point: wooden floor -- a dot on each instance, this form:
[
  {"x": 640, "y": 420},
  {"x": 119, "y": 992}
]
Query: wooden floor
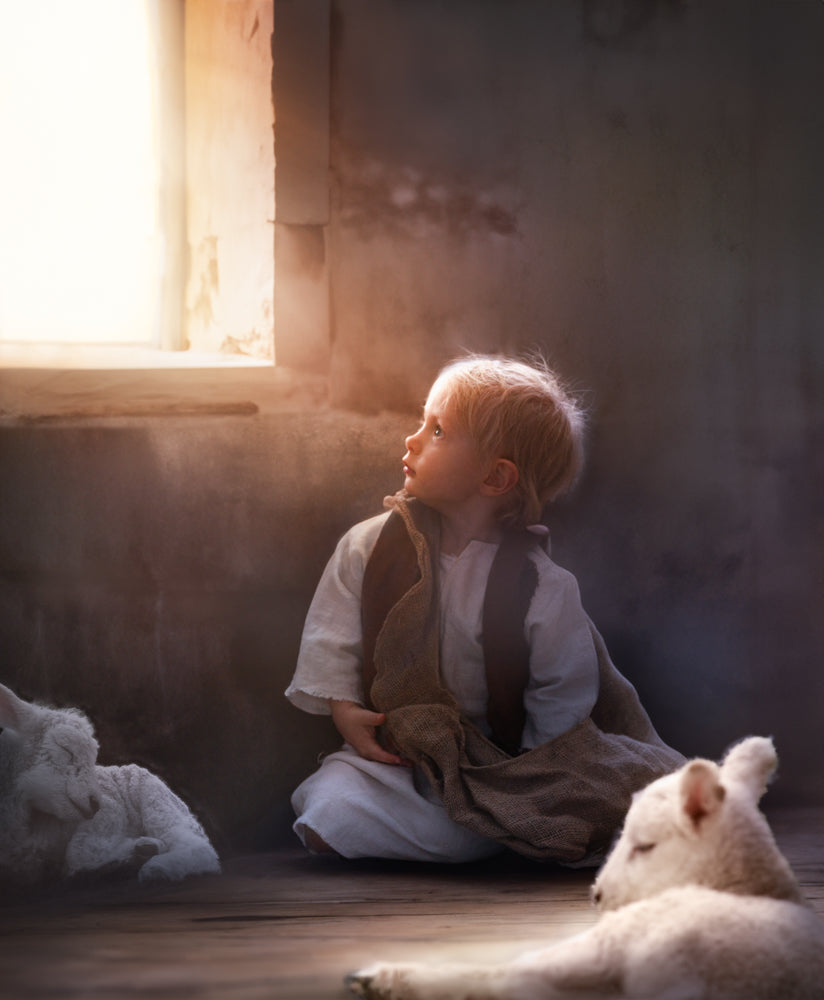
[{"x": 290, "y": 926}]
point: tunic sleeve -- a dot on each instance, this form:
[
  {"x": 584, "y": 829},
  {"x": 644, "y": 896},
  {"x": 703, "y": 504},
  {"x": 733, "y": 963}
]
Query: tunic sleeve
[
  {"x": 331, "y": 648},
  {"x": 563, "y": 684}
]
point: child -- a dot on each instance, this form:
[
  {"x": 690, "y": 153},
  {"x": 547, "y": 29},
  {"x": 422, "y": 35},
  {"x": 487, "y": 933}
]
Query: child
[{"x": 477, "y": 703}]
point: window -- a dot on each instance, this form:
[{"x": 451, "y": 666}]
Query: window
[{"x": 137, "y": 181}]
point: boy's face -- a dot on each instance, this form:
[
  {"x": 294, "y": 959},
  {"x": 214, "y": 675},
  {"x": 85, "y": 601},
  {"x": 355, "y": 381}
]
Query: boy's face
[{"x": 442, "y": 466}]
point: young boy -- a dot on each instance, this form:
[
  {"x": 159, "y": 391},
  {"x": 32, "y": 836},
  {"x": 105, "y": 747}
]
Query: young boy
[{"x": 477, "y": 703}]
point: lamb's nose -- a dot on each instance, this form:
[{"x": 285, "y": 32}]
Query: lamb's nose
[{"x": 596, "y": 895}]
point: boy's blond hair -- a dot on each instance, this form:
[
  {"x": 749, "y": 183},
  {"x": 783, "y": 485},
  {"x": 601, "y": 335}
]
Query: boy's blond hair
[{"x": 519, "y": 411}]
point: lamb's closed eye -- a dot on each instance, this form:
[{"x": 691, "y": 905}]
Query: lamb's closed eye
[{"x": 641, "y": 849}]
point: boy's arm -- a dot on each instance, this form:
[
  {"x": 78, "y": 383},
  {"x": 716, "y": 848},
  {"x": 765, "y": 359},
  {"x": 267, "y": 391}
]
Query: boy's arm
[
  {"x": 563, "y": 667},
  {"x": 330, "y": 659}
]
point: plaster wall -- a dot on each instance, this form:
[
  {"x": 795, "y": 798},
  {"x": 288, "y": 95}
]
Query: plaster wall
[
  {"x": 156, "y": 573},
  {"x": 632, "y": 188}
]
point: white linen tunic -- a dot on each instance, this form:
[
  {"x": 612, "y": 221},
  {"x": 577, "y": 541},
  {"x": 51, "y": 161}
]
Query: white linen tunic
[{"x": 364, "y": 808}]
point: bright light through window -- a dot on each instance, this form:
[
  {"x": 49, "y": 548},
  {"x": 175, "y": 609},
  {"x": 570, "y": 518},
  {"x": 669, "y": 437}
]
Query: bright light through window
[{"x": 81, "y": 250}]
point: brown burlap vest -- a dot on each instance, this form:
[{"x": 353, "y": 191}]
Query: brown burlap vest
[
  {"x": 392, "y": 570},
  {"x": 560, "y": 801}
]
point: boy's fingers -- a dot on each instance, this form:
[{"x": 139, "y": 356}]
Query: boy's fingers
[
  {"x": 373, "y": 718},
  {"x": 372, "y": 750}
]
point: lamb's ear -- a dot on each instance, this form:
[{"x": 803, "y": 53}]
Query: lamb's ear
[
  {"x": 750, "y": 763},
  {"x": 13, "y": 710},
  {"x": 701, "y": 791}
]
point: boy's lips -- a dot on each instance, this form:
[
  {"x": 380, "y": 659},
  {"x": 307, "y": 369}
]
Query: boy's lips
[{"x": 408, "y": 470}]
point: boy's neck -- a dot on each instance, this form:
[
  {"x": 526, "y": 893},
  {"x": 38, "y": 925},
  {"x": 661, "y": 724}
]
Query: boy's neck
[{"x": 458, "y": 532}]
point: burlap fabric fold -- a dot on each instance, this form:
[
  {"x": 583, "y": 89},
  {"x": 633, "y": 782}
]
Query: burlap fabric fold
[{"x": 561, "y": 801}]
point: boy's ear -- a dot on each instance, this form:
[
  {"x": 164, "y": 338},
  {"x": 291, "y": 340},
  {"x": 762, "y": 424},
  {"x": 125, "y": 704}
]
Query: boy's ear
[{"x": 501, "y": 479}]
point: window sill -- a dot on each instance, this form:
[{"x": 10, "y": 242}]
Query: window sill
[
  {"x": 124, "y": 382},
  {"x": 92, "y": 357}
]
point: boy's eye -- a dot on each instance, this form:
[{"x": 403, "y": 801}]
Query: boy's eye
[{"x": 438, "y": 431}]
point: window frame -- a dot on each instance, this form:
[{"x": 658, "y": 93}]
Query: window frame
[{"x": 174, "y": 382}]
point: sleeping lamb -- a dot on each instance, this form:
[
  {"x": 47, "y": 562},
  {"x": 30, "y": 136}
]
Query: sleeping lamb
[
  {"x": 61, "y": 814},
  {"x": 698, "y": 903}
]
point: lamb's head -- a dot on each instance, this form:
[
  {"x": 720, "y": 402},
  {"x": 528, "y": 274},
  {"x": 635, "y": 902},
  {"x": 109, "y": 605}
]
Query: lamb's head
[
  {"x": 52, "y": 755},
  {"x": 700, "y": 825}
]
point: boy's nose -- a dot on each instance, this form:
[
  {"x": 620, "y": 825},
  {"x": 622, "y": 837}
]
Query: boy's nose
[{"x": 411, "y": 442}]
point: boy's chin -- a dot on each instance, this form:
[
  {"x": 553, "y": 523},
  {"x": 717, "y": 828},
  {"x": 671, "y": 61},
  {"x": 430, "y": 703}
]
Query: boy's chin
[{"x": 410, "y": 492}]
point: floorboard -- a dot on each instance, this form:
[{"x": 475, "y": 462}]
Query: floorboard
[{"x": 287, "y": 926}]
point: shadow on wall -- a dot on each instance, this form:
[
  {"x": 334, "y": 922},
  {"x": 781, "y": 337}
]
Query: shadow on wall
[{"x": 157, "y": 574}]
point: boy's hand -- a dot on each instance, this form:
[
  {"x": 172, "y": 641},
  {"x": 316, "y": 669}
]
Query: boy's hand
[{"x": 357, "y": 726}]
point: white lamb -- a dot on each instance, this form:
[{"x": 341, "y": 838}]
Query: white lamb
[
  {"x": 61, "y": 814},
  {"x": 698, "y": 900}
]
